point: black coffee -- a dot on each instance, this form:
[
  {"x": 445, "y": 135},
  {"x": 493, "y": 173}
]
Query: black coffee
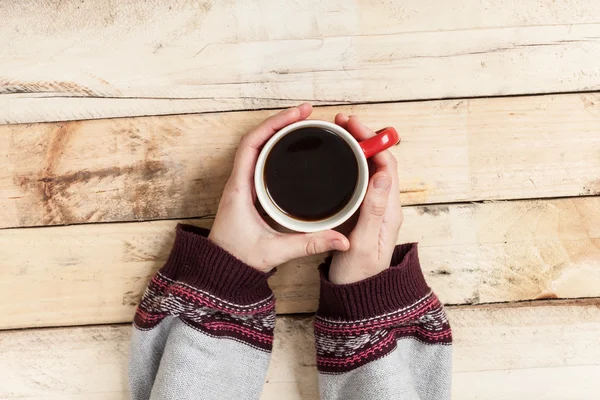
[{"x": 311, "y": 174}]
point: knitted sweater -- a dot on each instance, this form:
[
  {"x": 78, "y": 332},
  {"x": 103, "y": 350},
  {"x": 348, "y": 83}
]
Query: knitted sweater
[{"x": 204, "y": 330}]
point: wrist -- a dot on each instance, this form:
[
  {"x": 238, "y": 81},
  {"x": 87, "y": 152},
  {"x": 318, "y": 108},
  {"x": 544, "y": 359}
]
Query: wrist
[
  {"x": 346, "y": 269},
  {"x": 240, "y": 250},
  {"x": 203, "y": 265}
]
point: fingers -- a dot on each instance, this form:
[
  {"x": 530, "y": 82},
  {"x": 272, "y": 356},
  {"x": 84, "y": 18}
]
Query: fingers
[
  {"x": 341, "y": 120},
  {"x": 373, "y": 209},
  {"x": 358, "y": 130},
  {"x": 271, "y": 125},
  {"x": 247, "y": 154},
  {"x": 360, "y": 133},
  {"x": 384, "y": 160},
  {"x": 307, "y": 244}
]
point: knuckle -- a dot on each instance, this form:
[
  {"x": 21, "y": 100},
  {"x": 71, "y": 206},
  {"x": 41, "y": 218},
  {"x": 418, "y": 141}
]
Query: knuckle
[
  {"x": 231, "y": 193},
  {"x": 235, "y": 190},
  {"x": 377, "y": 207},
  {"x": 393, "y": 162},
  {"x": 232, "y": 189},
  {"x": 391, "y": 157},
  {"x": 245, "y": 140},
  {"x": 398, "y": 221},
  {"x": 400, "y": 217},
  {"x": 312, "y": 247}
]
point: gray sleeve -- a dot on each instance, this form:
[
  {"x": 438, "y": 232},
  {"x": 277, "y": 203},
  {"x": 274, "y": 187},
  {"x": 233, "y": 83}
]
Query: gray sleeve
[
  {"x": 204, "y": 328},
  {"x": 413, "y": 370},
  {"x": 386, "y": 337},
  {"x": 193, "y": 365}
]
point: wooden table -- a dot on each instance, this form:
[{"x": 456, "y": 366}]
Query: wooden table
[{"x": 118, "y": 119}]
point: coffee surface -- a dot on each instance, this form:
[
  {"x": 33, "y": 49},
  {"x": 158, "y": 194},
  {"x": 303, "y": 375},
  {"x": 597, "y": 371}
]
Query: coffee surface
[{"x": 311, "y": 174}]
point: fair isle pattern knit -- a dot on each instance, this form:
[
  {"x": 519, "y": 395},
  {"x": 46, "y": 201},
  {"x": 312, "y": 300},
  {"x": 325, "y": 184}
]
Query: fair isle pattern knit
[
  {"x": 252, "y": 324},
  {"x": 204, "y": 329},
  {"x": 361, "y": 322},
  {"x": 211, "y": 291},
  {"x": 345, "y": 345}
]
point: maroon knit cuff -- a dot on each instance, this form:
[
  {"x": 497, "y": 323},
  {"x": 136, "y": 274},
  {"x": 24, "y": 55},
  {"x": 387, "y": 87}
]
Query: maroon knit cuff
[
  {"x": 196, "y": 261},
  {"x": 397, "y": 287}
]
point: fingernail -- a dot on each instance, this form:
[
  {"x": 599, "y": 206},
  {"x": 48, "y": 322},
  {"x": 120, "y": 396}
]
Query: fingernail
[
  {"x": 338, "y": 245},
  {"x": 382, "y": 183}
]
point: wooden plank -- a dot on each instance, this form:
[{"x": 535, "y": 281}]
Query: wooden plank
[
  {"x": 176, "y": 166},
  {"x": 73, "y": 364},
  {"x": 30, "y": 29},
  {"x": 470, "y": 253},
  {"x": 573, "y": 383},
  {"x": 70, "y": 60},
  {"x": 504, "y": 351}
]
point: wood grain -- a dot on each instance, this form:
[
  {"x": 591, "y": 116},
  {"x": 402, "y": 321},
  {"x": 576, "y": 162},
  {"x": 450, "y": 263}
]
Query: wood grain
[
  {"x": 470, "y": 253},
  {"x": 577, "y": 383},
  {"x": 543, "y": 350},
  {"x": 70, "y": 60},
  {"x": 176, "y": 166}
]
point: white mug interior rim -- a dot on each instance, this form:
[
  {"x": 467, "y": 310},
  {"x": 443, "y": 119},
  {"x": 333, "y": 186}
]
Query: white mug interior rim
[{"x": 312, "y": 226}]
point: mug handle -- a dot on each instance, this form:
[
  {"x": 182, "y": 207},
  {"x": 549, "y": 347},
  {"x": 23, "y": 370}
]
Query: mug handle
[{"x": 384, "y": 139}]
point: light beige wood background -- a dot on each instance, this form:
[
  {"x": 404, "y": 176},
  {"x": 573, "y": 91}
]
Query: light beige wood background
[
  {"x": 501, "y": 193},
  {"x": 176, "y": 166},
  {"x": 64, "y": 60},
  {"x": 500, "y": 352},
  {"x": 471, "y": 253}
]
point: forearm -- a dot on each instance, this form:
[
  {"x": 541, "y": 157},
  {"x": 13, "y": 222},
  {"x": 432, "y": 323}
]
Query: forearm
[
  {"x": 383, "y": 337},
  {"x": 204, "y": 328}
]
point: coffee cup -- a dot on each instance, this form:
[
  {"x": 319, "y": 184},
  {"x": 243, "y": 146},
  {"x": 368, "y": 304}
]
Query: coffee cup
[{"x": 313, "y": 175}]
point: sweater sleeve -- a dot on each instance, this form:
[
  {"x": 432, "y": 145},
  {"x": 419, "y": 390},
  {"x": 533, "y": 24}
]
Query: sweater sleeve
[
  {"x": 204, "y": 327},
  {"x": 386, "y": 337}
]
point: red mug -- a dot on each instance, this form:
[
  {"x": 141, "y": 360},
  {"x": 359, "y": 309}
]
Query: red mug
[{"x": 384, "y": 139}]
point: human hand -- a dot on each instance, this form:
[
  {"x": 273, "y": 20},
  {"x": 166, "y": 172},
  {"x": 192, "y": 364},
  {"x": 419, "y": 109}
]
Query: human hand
[
  {"x": 239, "y": 229},
  {"x": 373, "y": 239}
]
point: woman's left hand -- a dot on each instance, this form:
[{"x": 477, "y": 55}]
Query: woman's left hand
[
  {"x": 238, "y": 227},
  {"x": 374, "y": 237}
]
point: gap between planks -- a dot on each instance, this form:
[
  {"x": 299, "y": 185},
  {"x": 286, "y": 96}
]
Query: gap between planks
[
  {"x": 175, "y": 167},
  {"x": 328, "y": 52},
  {"x": 470, "y": 253},
  {"x": 209, "y": 217},
  {"x": 315, "y": 104}
]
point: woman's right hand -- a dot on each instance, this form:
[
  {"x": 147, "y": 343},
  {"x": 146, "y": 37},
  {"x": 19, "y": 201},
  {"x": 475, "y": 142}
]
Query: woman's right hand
[
  {"x": 238, "y": 227},
  {"x": 373, "y": 239}
]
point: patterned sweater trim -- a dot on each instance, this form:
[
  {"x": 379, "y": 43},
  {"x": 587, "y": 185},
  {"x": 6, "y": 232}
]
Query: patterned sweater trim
[
  {"x": 211, "y": 291},
  {"x": 361, "y": 322}
]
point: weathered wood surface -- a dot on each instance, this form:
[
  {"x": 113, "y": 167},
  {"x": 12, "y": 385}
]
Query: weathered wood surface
[
  {"x": 545, "y": 350},
  {"x": 176, "y": 166},
  {"x": 64, "y": 60},
  {"x": 470, "y": 253}
]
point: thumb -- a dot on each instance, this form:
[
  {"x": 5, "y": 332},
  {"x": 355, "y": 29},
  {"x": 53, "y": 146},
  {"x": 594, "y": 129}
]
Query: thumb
[
  {"x": 374, "y": 206},
  {"x": 298, "y": 245}
]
